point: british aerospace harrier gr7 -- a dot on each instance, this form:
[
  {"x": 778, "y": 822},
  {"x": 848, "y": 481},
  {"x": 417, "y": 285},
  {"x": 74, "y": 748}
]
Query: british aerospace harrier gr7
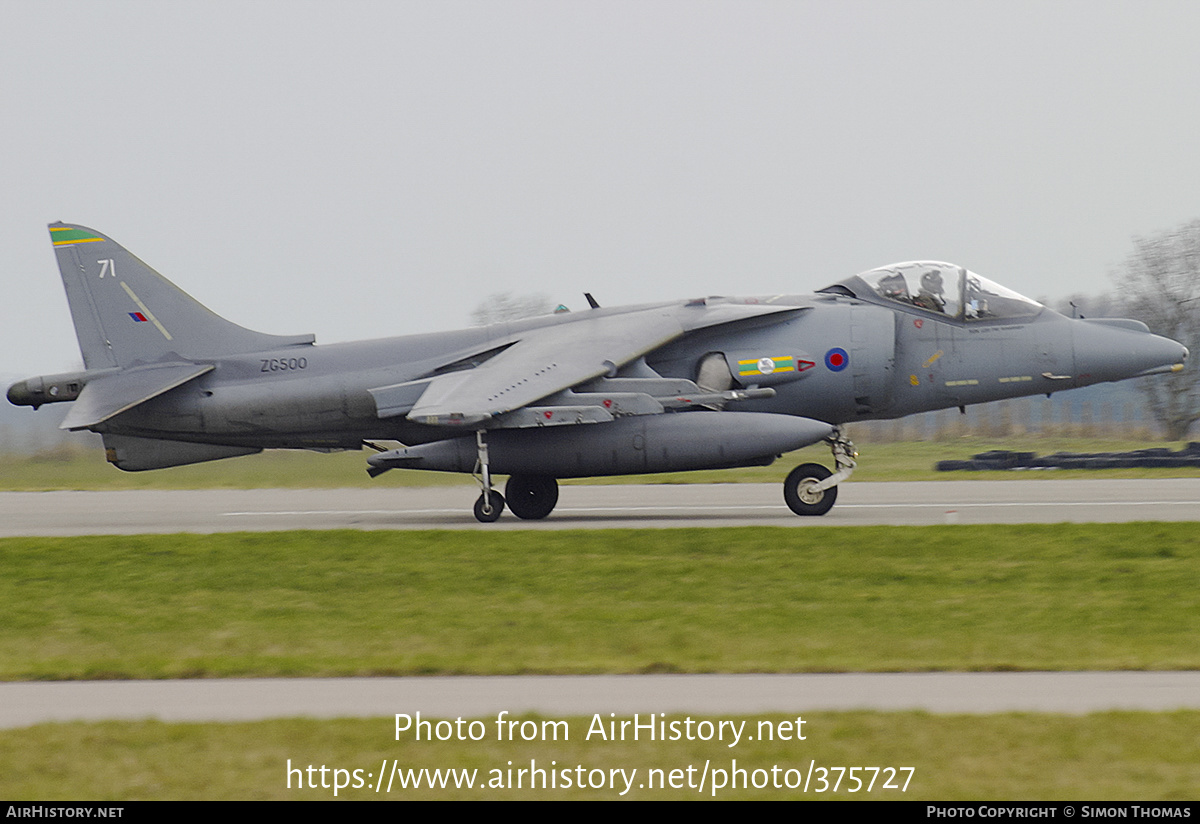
[{"x": 693, "y": 384}]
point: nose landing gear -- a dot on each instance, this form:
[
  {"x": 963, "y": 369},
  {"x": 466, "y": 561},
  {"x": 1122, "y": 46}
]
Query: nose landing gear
[{"x": 811, "y": 489}]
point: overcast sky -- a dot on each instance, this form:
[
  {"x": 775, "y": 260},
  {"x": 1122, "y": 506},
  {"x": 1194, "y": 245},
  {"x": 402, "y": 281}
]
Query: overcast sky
[{"x": 362, "y": 169}]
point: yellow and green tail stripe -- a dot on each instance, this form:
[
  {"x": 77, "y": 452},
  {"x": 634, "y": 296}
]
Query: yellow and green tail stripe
[{"x": 68, "y": 235}]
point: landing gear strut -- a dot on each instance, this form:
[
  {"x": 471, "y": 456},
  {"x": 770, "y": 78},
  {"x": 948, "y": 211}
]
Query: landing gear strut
[
  {"x": 490, "y": 503},
  {"x": 811, "y": 489}
]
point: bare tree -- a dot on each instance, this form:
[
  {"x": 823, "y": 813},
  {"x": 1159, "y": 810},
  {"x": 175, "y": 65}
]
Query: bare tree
[
  {"x": 502, "y": 306},
  {"x": 1161, "y": 285}
]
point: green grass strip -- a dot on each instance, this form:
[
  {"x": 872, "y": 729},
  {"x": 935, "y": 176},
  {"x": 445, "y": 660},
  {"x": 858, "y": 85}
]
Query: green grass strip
[
  {"x": 1120, "y": 756},
  {"x": 1034, "y": 597}
]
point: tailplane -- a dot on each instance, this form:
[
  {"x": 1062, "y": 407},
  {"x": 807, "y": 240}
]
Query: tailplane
[{"x": 126, "y": 313}]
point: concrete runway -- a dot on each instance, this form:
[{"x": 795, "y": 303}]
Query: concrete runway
[
  {"x": 591, "y": 507},
  {"x": 595, "y": 507}
]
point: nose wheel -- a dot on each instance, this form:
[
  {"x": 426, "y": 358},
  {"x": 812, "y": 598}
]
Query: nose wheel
[
  {"x": 801, "y": 494},
  {"x": 811, "y": 489}
]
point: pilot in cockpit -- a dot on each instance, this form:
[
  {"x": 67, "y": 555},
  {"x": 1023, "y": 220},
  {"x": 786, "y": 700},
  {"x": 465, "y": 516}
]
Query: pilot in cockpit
[{"x": 932, "y": 293}]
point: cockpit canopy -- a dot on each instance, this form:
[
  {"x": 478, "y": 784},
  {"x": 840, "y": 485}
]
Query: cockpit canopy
[{"x": 941, "y": 289}]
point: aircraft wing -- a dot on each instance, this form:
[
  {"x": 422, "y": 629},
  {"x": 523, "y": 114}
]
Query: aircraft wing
[
  {"x": 110, "y": 395},
  {"x": 550, "y": 359}
]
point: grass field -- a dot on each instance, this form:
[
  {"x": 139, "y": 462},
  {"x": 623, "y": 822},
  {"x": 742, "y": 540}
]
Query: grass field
[
  {"x": 1108, "y": 756},
  {"x": 80, "y": 468},
  {"x": 1036, "y": 597}
]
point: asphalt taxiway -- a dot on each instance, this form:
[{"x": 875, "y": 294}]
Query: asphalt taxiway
[{"x": 252, "y": 699}]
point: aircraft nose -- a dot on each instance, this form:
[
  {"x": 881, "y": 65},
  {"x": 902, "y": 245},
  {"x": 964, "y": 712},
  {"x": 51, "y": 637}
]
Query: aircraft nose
[
  {"x": 1113, "y": 350},
  {"x": 1173, "y": 354}
]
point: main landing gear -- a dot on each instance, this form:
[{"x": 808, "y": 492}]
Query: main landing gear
[
  {"x": 811, "y": 489},
  {"x": 530, "y": 497}
]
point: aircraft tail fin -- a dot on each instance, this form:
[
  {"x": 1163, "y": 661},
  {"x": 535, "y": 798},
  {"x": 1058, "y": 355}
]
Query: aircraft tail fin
[{"x": 126, "y": 313}]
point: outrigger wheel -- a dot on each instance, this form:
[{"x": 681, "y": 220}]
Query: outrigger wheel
[
  {"x": 811, "y": 489},
  {"x": 489, "y": 506},
  {"x": 490, "y": 503}
]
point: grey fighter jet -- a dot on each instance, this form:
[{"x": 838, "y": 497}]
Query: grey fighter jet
[{"x": 695, "y": 384}]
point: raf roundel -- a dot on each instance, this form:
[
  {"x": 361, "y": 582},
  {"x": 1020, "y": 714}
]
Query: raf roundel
[{"x": 836, "y": 359}]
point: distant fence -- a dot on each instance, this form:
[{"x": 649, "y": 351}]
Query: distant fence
[{"x": 1058, "y": 415}]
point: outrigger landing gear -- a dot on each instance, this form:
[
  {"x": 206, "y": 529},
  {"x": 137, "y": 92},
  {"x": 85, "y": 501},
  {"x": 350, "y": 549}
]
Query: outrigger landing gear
[
  {"x": 811, "y": 489},
  {"x": 490, "y": 503}
]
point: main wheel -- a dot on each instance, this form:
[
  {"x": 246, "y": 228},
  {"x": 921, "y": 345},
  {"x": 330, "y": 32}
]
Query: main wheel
[
  {"x": 531, "y": 496},
  {"x": 489, "y": 514},
  {"x": 796, "y": 490}
]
